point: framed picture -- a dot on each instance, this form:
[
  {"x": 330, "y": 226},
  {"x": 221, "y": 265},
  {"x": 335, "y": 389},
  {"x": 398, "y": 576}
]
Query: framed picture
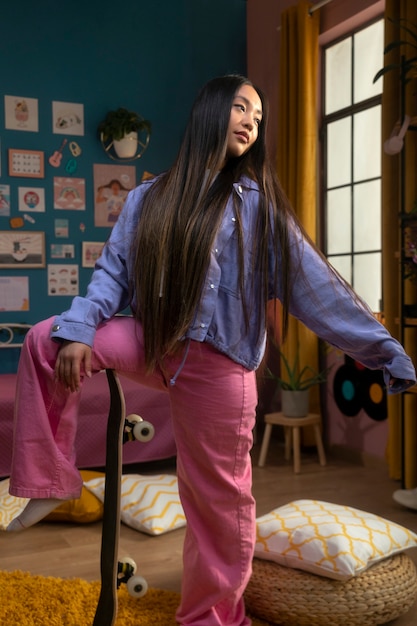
[
  {"x": 26, "y": 163},
  {"x": 90, "y": 252},
  {"x": 22, "y": 249}
]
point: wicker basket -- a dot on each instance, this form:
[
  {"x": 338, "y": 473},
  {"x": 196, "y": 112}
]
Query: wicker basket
[{"x": 290, "y": 597}]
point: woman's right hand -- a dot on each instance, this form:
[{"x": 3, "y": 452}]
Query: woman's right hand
[{"x": 73, "y": 361}]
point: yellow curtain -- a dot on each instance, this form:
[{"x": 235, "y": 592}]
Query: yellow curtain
[
  {"x": 391, "y": 115},
  {"x": 297, "y": 146}
]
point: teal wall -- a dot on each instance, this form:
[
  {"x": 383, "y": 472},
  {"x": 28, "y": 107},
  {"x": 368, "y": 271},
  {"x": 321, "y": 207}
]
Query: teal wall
[{"x": 150, "y": 57}]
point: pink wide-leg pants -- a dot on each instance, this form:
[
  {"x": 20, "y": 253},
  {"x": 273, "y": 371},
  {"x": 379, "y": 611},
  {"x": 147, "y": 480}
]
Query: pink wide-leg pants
[{"x": 213, "y": 406}]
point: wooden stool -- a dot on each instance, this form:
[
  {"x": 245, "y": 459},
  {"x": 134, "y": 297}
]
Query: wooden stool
[{"x": 292, "y": 427}]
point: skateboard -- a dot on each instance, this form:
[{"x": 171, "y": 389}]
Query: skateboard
[{"x": 113, "y": 572}]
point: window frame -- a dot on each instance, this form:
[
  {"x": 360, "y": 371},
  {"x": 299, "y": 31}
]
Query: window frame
[{"x": 326, "y": 119}]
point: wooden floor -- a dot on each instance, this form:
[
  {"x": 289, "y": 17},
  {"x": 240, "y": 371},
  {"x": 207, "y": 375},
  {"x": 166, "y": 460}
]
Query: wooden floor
[{"x": 68, "y": 550}]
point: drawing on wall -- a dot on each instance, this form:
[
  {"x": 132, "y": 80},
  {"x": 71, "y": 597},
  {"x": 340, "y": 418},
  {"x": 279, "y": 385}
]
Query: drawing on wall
[
  {"x": 22, "y": 249},
  {"x": 67, "y": 118},
  {"x": 90, "y": 252},
  {"x": 14, "y": 293},
  {"x": 4, "y": 200},
  {"x": 31, "y": 199},
  {"x": 62, "y": 251},
  {"x": 62, "y": 280},
  {"x": 61, "y": 228},
  {"x": 112, "y": 183},
  {"x": 69, "y": 193},
  {"x": 21, "y": 113}
]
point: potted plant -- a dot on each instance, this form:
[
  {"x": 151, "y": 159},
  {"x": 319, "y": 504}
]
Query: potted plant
[
  {"x": 122, "y": 127},
  {"x": 295, "y": 383}
]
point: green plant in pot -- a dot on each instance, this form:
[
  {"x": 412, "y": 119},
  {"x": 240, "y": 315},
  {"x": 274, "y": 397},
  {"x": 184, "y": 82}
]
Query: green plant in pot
[
  {"x": 122, "y": 128},
  {"x": 295, "y": 382}
]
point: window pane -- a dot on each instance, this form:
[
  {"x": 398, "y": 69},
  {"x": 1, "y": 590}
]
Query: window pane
[
  {"x": 339, "y": 152},
  {"x": 368, "y": 59},
  {"x": 338, "y": 76},
  {"x": 367, "y": 144},
  {"x": 367, "y": 216},
  {"x": 338, "y": 220},
  {"x": 343, "y": 264},
  {"x": 367, "y": 281}
]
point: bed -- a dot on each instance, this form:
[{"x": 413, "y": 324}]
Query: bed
[{"x": 90, "y": 444}]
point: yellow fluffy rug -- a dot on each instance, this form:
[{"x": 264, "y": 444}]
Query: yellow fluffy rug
[{"x": 27, "y": 600}]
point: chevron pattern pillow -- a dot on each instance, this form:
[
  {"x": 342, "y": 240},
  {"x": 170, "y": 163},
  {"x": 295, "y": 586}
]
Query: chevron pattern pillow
[{"x": 150, "y": 504}]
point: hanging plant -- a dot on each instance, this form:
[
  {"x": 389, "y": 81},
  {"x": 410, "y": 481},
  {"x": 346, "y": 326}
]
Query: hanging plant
[{"x": 121, "y": 122}]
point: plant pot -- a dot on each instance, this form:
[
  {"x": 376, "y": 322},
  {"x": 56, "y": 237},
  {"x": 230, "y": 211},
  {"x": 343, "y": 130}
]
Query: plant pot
[
  {"x": 295, "y": 403},
  {"x": 126, "y": 147}
]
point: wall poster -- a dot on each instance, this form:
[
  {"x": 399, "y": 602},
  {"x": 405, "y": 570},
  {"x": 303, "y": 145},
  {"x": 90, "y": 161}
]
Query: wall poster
[{"x": 22, "y": 249}]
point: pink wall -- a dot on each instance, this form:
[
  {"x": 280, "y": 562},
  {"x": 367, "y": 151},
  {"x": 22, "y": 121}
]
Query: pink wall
[{"x": 263, "y": 40}]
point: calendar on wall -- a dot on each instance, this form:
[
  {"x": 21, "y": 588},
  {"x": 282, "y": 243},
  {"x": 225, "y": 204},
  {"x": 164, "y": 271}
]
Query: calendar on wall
[{"x": 26, "y": 163}]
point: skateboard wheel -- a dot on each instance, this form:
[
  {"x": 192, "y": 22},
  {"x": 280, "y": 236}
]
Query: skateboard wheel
[
  {"x": 139, "y": 429},
  {"x": 143, "y": 431},
  {"x": 137, "y": 586}
]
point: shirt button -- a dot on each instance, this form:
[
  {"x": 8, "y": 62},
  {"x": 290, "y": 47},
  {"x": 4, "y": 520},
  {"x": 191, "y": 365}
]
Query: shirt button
[
  {"x": 233, "y": 219},
  {"x": 55, "y": 327},
  {"x": 202, "y": 325},
  {"x": 240, "y": 189},
  {"x": 211, "y": 286}
]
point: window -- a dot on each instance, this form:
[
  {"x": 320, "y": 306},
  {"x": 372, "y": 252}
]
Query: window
[{"x": 352, "y": 159}]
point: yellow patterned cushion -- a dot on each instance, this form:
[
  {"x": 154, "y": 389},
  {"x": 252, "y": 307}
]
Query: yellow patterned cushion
[
  {"x": 10, "y": 506},
  {"x": 87, "y": 508},
  {"x": 328, "y": 539},
  {"x": 150, "y": 504},
  {"x": 84, "y": 510}
]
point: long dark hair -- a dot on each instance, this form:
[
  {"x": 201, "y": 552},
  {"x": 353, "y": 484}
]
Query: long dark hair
[{"x": 181, "y": 214}]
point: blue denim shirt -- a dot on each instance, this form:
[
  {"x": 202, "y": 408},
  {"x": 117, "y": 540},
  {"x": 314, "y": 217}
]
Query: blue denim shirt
[{"x": 318, "y": 299}]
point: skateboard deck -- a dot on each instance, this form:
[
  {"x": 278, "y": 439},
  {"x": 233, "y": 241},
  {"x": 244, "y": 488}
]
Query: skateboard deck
[
  {"x": 107, "y": 604},
  {"x": 120, "y": 429}
]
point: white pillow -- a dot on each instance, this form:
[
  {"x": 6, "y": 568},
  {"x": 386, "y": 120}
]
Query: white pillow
[
  {"x": 10, "y": 506},
  {"x": 328, "y": 539},
  {"x": 150, "y": 504}
]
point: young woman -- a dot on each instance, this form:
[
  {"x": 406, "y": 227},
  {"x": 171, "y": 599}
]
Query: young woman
[{"x": 197, "y": 254}]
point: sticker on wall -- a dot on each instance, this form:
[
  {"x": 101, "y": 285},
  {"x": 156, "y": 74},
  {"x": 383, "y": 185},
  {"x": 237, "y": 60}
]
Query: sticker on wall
[
  {"x": 21, "y": 113},
  {"x": 62, "y": 251},
  {"x": 67, "y": 118},
  {"x": 4, "y": 200},
  {"x": 112, "y": 183},
  {"x": 14, "y": 293},
  {"x": 69, "y": 193},
  {"x": 56, "y": 157},
  {"x": 31, "y": 199},
  {"x": 61, "y": 228},
  {"x": 355, "y": 387},
  {"x": 63, "y": 280},
  {"x": 16, "y": 222}
]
